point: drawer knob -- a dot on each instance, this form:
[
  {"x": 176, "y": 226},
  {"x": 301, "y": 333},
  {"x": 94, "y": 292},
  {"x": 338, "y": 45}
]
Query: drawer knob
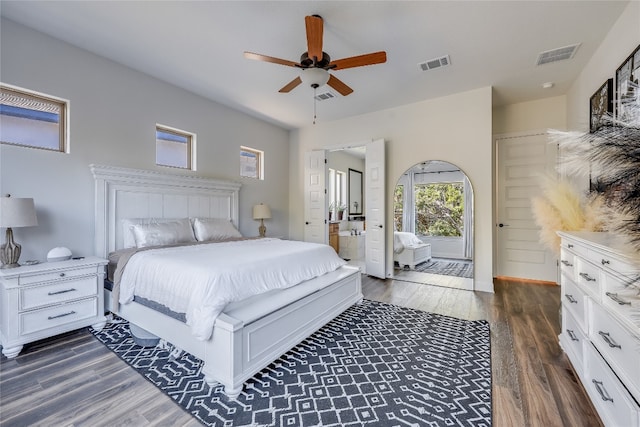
[
  {"x": 586, "y": 277},
  {"x": 571, "y": 299},
  {"x": 62, "y": 274},
  {"x": 61, "y": 292},
  {"x": 567, "y": 263},
  {"x": 617, "y": 299},
  {"x": 605, "y": 261},
  {"x": 572, "y": 335},
  {"x": 570, "y": 246},
  {"x": 607, "y": 338},
  {"x": 602, "y": 391},
  {"x": 61, "y": 315}
]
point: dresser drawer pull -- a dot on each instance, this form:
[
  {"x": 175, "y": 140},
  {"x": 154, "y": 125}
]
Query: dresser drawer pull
[
  {"x": 586, "y": 277},
  {"x": 605, "y": 261},
  {"x": 569, "y": 245},
  {"x": 61, "y": 315},
  {"x": 602, "y": 391},
  {"x": 61, "y": 292},
  {"x": 572, "y": 335},
  {"x": 571, "y": 299},
  {"x": 607, "y": 338},
  {"x": 567, "y": 263},
  {"x": 62, "y": 274},
  {"x": 617, "y": 299}
]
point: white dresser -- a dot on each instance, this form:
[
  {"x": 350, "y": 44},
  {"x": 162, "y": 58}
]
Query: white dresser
[
  {"x": 601, "y": 323},
  {"x": 42, "y": 300}
]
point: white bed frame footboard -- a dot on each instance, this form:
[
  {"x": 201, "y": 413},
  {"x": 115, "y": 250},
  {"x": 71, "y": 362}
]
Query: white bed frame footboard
[{"x": 238, "y": 348}]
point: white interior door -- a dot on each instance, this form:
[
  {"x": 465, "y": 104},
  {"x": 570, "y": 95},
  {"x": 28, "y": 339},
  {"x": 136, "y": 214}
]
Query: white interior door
[
  {"x": 375, "y": 247},
  {"x": 315, "y": 207},
  {"x": 520, "y": 161}
]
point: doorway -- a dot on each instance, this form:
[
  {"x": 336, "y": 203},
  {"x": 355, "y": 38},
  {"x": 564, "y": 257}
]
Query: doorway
[
  {"x": 363, "y": 200},
  {"x": 521, "y": 161},
  {"x": 433, "y": 226}
]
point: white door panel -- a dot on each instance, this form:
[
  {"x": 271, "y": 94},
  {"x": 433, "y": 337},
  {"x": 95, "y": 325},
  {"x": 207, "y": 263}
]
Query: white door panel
[
  {"x": 375, "y": 248},
  {"x": 520, "y": 162},
  {"x": 315, "y": 184}
]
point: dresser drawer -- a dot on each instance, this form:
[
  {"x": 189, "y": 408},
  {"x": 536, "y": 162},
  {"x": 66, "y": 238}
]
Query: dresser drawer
[
  {"x": 575, "y": 301},
  {"x": 619, "y": 347},
  {"x": 612, "y": 401},
  {"x": 46, "y": 318},
  {"x": 57, "y": 275},
  {"x": 622, "y": 299},
  {"x": 588, "y": 277},
  {"x": 573, "y": 341},
  {"x": 567, "y": 263},
  {"x": 57, "y": 292}
]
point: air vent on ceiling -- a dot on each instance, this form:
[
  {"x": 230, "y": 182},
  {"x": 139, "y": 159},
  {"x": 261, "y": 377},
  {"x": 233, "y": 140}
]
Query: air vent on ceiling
[
  {"x": 324, "y": 96},
  {"x": 432, "y": 64},
  {"x": 559, "y": 54}
]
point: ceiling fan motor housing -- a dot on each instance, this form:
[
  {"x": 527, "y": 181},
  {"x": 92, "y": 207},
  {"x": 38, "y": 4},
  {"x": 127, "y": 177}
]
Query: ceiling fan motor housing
[{"x": 307, "y": 62}]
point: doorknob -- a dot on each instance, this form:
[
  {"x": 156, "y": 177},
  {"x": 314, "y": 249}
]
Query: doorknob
[
  {"x": 380, "y": 226},
  {"x": 503, "y": 225},
  {"x": 306, "y": 223}
]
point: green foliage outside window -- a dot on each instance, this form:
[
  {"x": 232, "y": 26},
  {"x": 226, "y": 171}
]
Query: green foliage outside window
[
  {"x": 398, "y": 207},
  {"x": 439, "y": 209}
]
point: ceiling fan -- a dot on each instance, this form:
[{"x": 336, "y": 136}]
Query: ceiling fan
[{"x": 315, "y": 64}]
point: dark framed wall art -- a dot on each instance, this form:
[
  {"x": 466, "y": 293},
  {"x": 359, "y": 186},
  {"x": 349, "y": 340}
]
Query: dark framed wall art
[
  {"x": 627, "y": 81},
  {"x": 600, "y": 105}
]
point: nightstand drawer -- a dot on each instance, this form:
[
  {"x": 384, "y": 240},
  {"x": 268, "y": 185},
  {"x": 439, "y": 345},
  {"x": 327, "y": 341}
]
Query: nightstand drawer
[
  {"x": 57, "y": 275},
  {"x": 57, "y": 292},
  {"x": 46, "y": 318}
]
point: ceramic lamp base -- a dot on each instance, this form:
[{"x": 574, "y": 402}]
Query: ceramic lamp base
[{"x": 10, "y": 252}]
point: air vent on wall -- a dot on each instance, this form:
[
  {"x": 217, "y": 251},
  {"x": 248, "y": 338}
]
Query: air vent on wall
[
  {"x": 559, "y": 54},
  {"x": 324, "y": 96},
  {"x": 432, "y": 64}
]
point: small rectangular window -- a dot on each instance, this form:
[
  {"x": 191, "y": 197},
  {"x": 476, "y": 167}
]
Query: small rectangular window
[
  {"x": 251, "y": 163},
  {"x": 31, "y": 119},
  {"x": 174, "y": 147}
]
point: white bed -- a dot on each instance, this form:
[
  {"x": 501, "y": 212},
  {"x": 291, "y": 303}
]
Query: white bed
[{"x": 248, "y": 335}]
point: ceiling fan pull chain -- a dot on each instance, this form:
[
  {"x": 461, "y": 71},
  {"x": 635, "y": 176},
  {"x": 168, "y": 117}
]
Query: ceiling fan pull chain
[{"x": 314, "y": 104}]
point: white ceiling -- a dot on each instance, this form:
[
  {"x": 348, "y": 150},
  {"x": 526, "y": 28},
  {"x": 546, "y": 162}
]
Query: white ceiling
[{"x": 199, "y": 45}]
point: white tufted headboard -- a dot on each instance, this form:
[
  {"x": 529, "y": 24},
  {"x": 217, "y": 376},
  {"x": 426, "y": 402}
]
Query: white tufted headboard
[{"x": 122, "y": 193}]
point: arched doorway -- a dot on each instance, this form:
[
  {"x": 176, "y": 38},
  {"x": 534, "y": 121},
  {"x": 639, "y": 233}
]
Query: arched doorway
[{"x": 433, "y": 225}]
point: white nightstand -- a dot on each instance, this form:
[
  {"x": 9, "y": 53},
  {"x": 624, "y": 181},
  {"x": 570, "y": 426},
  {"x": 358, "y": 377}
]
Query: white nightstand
[{"x": 42, "y": 300}]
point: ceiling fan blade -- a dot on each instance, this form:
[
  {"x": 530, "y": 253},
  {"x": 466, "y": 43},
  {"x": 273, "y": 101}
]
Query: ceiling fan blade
[
  {"x": 258, "y": 57},
  {"x": 314, "y": 36},
  {"x": 339, "y": 86},
  {"x": 359, "y": 61},
  {"x": 292, "y": 84}
]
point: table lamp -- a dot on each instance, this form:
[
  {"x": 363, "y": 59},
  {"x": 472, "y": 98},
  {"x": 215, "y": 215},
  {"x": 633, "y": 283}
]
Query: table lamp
[
  {"x": 261, "y": 212},
  {"x": 14, "y": 212}
]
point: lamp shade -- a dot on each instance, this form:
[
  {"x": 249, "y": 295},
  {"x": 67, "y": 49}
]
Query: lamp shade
[
  {"x": 17, "y": 212},
  {"x": 314, "y": 77},
  {"x": 261, "y": 211}
]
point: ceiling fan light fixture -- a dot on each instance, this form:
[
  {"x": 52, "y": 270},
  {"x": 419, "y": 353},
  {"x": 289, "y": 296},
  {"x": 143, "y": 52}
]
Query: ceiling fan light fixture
[{"x": 314, "y": 77}]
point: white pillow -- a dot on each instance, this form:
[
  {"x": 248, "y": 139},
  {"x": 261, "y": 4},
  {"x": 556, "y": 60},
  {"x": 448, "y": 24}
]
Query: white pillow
[
  {"x": 214, "y": 229},
  {"x": 163, "y": 233},
  {"x": 128, "y": 239}
]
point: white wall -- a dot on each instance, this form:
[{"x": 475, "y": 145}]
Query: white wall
[
  {"x": 456, "y": 129},
  {"x": 113, "y": 113},
  {"x": 619, "y": 43}
]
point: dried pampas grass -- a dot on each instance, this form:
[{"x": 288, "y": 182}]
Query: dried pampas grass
[
  {"x": 613, "y": 151},
  {"x": 560, "y": 208}
]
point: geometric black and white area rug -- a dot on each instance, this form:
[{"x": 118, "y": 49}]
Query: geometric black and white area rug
[{"x": 375, "y": 364}]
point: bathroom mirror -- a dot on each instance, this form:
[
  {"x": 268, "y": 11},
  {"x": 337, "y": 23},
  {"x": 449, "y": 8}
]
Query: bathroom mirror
[{"x": 355, "y": 192}]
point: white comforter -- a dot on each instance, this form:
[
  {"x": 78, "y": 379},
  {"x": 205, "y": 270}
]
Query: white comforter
[{"x": 201, "y": 280}]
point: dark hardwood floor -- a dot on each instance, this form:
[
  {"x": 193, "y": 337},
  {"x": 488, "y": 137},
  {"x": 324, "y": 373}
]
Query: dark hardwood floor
[{"x": 73, "y": 380}]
